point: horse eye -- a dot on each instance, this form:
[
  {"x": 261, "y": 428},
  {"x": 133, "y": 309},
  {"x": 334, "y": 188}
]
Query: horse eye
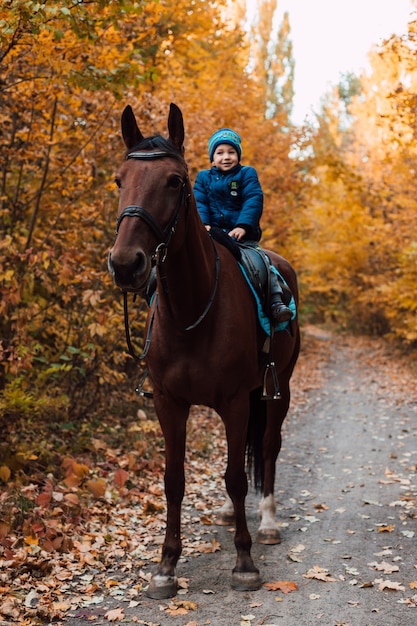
[
  {"x": 118, "y": 181},
  {"x": 174, "y": 182}
]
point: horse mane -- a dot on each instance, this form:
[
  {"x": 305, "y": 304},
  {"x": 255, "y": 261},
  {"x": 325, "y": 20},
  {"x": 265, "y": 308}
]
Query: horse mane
[{"x": 157, "y": 142}]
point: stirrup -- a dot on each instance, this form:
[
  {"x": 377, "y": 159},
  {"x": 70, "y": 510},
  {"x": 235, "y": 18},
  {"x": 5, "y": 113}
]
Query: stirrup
[{"x": 277, "y": 394}]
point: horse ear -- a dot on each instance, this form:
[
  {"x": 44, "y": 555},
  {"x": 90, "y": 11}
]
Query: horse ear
[
  {"x": 130, "y": 130},
  {"x": 176, "y": 127}
]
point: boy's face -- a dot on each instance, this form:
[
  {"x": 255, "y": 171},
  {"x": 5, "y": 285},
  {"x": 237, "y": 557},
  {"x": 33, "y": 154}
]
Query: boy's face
[{"x": 225, "y": 157}]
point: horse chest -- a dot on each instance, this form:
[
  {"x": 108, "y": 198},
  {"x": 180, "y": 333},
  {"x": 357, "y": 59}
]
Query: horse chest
[{"x": 202, "y": 373}]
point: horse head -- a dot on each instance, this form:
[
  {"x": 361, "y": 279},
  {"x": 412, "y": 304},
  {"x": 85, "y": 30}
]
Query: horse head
[{"x": 154, "y": 185}]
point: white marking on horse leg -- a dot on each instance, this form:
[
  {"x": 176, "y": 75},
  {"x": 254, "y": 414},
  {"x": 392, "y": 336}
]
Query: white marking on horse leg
[
  {"x": 268, "y": 532},
  {"x": 162, "y": 587},
  {"x": 226, "y": 514},
  {"x": 227, "y": 507},
  {"x": 267, "y": 513}
]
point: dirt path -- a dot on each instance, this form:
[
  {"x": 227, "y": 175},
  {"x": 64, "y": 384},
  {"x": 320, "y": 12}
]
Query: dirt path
[{"x": 347, "y": 503}]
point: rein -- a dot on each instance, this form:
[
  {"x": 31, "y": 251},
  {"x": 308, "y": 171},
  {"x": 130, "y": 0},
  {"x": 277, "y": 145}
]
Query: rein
[{"x": 163, "y": 236}]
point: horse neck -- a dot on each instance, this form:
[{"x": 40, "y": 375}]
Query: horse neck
[{"x": 189, "y": 271}]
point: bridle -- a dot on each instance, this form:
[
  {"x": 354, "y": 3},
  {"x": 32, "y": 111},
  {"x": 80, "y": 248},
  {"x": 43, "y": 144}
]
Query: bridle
[
  {"x": 163, "y": 238},
  {"x": 163, "y": 235}
]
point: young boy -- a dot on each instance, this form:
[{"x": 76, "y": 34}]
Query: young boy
[{"x": 229, "y": 196}]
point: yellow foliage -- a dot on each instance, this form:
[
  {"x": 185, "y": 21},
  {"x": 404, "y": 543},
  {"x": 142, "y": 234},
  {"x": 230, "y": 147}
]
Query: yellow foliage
[{"x": 357, "y": 234}]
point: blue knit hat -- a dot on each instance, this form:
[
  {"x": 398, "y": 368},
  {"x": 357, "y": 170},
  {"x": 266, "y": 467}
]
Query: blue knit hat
[{"x": 224, "y": 135}]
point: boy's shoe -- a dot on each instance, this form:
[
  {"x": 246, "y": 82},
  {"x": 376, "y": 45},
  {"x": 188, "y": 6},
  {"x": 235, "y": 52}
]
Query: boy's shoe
[{"x": 280, "y": 312}]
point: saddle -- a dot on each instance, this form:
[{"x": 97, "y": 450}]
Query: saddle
[{"x": 256, "y": 267}]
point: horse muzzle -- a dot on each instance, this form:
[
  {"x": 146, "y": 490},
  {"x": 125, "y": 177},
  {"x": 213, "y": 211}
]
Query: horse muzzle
[{"x": 130, "y": 271}]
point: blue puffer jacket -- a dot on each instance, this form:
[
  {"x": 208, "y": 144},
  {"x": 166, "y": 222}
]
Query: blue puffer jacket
[{"x": 230, "y": 199}]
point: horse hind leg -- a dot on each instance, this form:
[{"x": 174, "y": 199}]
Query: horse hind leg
[
  {"x": 268, "y": 532},
  {"x": 225, "y": 516}
]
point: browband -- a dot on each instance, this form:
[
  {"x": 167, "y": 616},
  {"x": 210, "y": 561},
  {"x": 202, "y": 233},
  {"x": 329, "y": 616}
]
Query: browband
[{"x": 156, "y": 154}]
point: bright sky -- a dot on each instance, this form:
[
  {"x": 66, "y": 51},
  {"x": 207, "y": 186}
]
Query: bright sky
[{"x": 332, "y": 37}]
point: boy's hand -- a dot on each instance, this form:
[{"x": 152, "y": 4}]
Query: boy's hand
[{"x": 237, "y": 233}]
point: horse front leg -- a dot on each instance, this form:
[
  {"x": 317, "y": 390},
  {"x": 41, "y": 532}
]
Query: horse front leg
[
  {"x": 268, "y": 532},
  {"x": 173, "y": 420},
  {"x": 245, "y": 576}
]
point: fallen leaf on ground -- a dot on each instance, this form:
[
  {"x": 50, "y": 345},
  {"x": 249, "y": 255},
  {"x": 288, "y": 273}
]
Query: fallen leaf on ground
[
  {"x": 386, "y": 529},
  {"x": 319, "y": 573},
  {"x": 294, "y": 552},
  {"x": 385, "y": 567},
  {"x": 182, "y": 607},
  {"x": 388, "y": 584},
  {"x": 285, "y": 586},
  {"x": 5, "y": 473},
  {"x": 115, "y": 615},
  {"x": 97, "y": 487},
  {"x": 120, "y": 477}
]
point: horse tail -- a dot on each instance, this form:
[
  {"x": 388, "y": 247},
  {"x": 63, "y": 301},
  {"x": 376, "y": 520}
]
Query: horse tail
[{"x": 254, "y": 439}]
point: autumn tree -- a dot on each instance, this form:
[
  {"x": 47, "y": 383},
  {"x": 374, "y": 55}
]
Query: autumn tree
[
  {"x": 358, "y": 227},
  {"x": 63, "y": 68},
  {"x": 272, "y": 62},
  {"x": 56, "y": 98}
]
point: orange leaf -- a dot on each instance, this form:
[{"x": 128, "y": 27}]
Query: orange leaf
[
  {"x": 386, "y": 529},
  {"x": 285, "y": 586},
  {"x": 150, "y": 507},
  {"x": 97, "y": 487},
  {"x": 72, "y": 481},
  {"x": 31, "y": 541},
  {"x": 72, "y": 499},
  {"x": 208, "y": 547},
  {"x": 120, "y": 477},
  {"x": 413, "y": 585},
  {"x": 44, "y": 499},
  {"x": 175, "y": 612},
  {"x": 181, "y": 607},
  {"x": 4, "y": 529},
  {"x": 80, "y": 470},
  {"x": 4, "y": 473}
]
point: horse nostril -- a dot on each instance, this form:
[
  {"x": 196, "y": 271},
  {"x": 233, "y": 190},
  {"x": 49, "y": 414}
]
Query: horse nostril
[
  {"x": 140, "y": 263},
  {"x": 130, "y": 268}
]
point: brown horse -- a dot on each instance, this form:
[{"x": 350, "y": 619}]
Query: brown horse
[{"x": 204, "y": 342}]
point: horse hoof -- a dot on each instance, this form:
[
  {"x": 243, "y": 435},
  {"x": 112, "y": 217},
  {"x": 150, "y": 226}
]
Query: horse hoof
[
  {"x": 162, "y": 587},
  {"x": 246, "y": 581},
  {"x": 225, "y": 519},
  {"x": 269, "y": 537}
]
